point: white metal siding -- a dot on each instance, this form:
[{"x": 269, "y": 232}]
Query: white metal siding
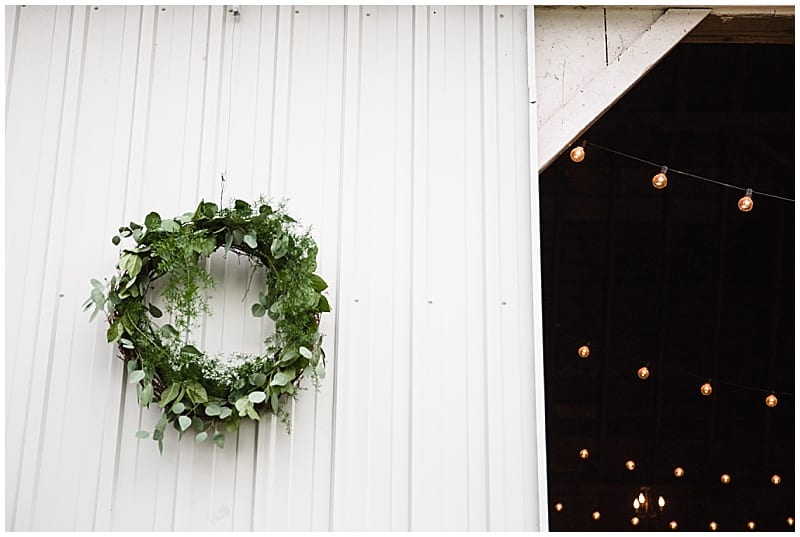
[{"x": 401, "y": 135}]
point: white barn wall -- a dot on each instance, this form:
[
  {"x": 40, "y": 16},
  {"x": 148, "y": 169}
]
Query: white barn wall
[{"x": 401, "y": 135}]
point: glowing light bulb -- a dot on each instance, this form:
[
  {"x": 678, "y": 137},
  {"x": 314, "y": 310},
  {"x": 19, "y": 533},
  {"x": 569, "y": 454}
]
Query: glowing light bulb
[
  {"x": 713, "y": 525},
  {"x": 596, "y": 515},
  {"x": 643, "y": 372},
  {"x": 583, "y": 351},
  {"x": 706, "y": 389},
  {"x": 776, "y": 479},
  {"x": 673, "y": 525},
  {"x": 584, "y": 453},
  {"x": 725, "y": 478},
  {"x": 751, "y": 525},
  {"x": 630, "y": 465},
  {"x": 636, "y": 503},
  {"x": 578, "y": 153},
  {"x": 558, "y": 507},
  {"x": 678, "y": 471},
  {"x": 790, "y": 521},
  {"x": 660, "y": 179},
  {"x": 661, "y": 502},
  {"x": 771, "y": 400},
  {"x": 746, "y": 201},
  {"x": 641, "y": 499},
  {"x": 635, "y": 521}
]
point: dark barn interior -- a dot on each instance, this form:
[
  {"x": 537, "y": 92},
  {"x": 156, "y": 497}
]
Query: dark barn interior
[{"x": 683, "y": 282}]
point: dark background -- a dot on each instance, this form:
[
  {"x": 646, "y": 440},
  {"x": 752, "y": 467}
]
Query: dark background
[{"x": 682, "y": 280}]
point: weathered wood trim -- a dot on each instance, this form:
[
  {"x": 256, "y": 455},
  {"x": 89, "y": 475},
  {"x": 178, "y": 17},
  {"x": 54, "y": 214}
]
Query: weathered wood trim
[{"x": 581, "y": 111}]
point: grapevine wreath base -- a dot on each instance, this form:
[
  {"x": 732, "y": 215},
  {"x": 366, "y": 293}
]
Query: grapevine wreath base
[{"x": 197, "y": 392}]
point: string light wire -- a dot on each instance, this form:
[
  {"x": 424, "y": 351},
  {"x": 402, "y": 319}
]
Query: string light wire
[{"x": 687, "y": 174}]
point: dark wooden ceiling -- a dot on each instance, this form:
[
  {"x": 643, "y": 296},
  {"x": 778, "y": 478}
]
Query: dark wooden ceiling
[{"x": 681, "y": 280}]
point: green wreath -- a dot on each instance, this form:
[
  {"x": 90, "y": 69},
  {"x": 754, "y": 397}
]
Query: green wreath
[{"x": 194, "y": 390}]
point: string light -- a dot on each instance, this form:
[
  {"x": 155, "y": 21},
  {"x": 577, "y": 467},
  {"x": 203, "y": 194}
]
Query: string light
[
  {"x": 713, "y": 525},
  {"x": 583, "y": 351},
  {"x": 660, "y": 179},
  {"x": 635, "y": 521},
  {"x": 558, "y": 507},
  {"x": 706, "y": 389},
  {"x": 584, "y": 453},
  {"x": 751, "y": 525},
  {"x": 643, "y": 372},
  {"x": 578, "y": 153},
  {"x": 790, "y": 521},
  {"x": 725, "y": 478},
  {"x": 661, "y": 503},
  {"x": 748, "y": 191},
  {"x": 678, "y": 471},
  {"x": 746, "y": 201},
  {"x": 596, "y": 515},
  {"x": 673, "y": 525},
  {"x": 776, "y": 479},
  {"x": 630, "y": 465},
  {"x": 771, "y": 400}
]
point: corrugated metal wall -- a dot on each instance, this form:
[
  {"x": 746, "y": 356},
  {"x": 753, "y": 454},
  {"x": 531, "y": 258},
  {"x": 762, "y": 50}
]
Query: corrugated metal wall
[{"x": 401, "y": 135}]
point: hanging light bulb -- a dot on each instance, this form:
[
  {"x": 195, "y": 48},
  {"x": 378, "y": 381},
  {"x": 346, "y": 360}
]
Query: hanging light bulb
[
  {"x": 713, "y": 525},
  {"x": 725, "y": 478},
  {"x": 578, "y": 153},
  {"x": 790, "y": 521},
  {"x": 558, "y": 507},
  {"x": 583, "y": 351},
  {"x": 596, "y": 515},
  {"x": 746, "y": 201},
  {"x": 642, "y": 498},
  {"x": 678, "y": 471},
  {"x": 661, "y": 503},
  {"x": 636, "y": 503},
  {"x": 630, "y": 465},
  {"x": 776, "y": 479},
  {"x": 751, "y": 525},
  {"x": 635, "y": 521},
  {"x": 771, "y": 400},
  {"x": 673, "y": 525},
  {"x": 660, "y": 179},
  {"x": 706, "y": 389},
  {"x": 643, "y": 372},
  {"x": 584, "y": 453}
]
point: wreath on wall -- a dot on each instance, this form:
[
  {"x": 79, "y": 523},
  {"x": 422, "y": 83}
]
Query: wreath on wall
[{"x": 197, "y": 392}]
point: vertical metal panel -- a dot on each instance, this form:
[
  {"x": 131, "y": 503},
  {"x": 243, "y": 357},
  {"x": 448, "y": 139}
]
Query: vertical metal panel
[{"x": 401, "y": 135}]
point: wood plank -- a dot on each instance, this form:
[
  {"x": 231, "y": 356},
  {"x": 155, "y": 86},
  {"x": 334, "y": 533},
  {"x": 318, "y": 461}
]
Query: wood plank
[{"x": 597, "y": 96}]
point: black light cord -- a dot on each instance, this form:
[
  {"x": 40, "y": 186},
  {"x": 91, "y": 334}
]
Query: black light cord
[
  {"x": 687, "y": 174},
  {"x": 729, "y": 383}
]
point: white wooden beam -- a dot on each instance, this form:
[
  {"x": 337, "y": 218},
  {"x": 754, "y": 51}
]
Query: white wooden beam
[{"x": 613, "y": 81}]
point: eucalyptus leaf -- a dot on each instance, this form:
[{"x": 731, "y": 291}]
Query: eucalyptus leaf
[
  {"x": 136, "y": 376},
  {"x": 142, "y": 434},
  {"x": 320, "y": 371},
  {"x": 184, "y": 422},
  {"x": 258, "y": 379},
  {"x": 154, "y": 311},
  {"x": 115, "y": 240},
  {"x": 213, "y": 409},
  {"x": 201, "y": 436},
  {"x": 305, "y": 353},
  {"x": 225, "y": 412},
  {"x": 170, "y": 226},
  {"x": 257, "y": 397},
  {"x": 250, "y": 240},
  {"x": 282, "y": 378},
  {"x": 178, "y": 408},
  {"x": 219, "y": 439},
  {"x": 146, "y": 395},
  {"x": 258, "y": 310}
]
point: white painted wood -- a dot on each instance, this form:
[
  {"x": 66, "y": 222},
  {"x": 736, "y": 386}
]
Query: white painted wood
[
  {"x": 598, "y": 92},
  {"x": 401, "y": 135}
]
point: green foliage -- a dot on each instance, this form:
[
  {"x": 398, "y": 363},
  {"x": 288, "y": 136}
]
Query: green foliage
[{"x": 193, "y": 389}]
